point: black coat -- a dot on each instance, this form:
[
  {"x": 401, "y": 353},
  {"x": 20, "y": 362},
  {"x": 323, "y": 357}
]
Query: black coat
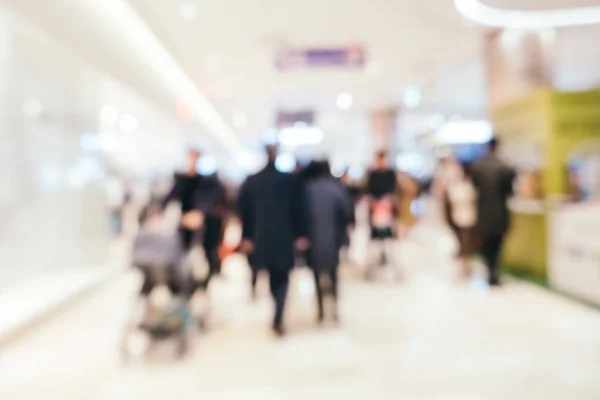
[
  {"x": 194, "y": 192},
  {"x": 494, "y": 182},
  {"x": 330, "y": 211},
  {"x": 272, "y": 210}
]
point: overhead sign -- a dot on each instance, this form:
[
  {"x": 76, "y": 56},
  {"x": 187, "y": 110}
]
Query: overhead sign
[
  {"x": 290, "y": 118},
  {"x": 344, "y": 57}
]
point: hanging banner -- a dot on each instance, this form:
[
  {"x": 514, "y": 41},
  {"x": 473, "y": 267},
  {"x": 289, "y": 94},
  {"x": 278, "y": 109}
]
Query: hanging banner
[
  {"x": 290, "y": 118},
  {"x": 344, "y": 57}
]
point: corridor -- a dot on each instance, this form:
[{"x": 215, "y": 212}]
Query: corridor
[{"x": 424, "y": 338}]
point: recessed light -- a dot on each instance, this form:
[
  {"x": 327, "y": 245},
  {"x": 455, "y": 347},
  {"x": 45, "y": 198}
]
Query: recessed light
[
  {"x": 411, "y": 96},
  {"x": 481, "y": 13},
  {"x": 356, "y": 172},
  {"x": 206, "y": 165},
  {"x": 188, "y": 10},
  {"x": 301, "y": 136},
  {"x": 344, "y": 101},
  {"x": 285, "y": 162}
]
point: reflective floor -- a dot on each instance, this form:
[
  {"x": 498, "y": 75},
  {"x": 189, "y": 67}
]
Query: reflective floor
[{"x": 427, "y": 337}]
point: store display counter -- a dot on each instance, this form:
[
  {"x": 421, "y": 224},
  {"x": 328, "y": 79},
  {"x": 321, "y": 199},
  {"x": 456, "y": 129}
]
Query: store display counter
[
  {"x": 574, "y": 253},
  {"x": 525, "y": 249}
]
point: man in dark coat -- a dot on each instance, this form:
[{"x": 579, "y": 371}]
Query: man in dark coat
[
  {"x": 214, "y": 223},
  {"x": 494, "y": 182},
  {"x": 272, "y": 211}
]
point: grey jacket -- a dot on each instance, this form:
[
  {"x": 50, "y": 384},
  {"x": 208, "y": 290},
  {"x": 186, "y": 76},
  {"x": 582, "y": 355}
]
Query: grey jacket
[
  {"x": 494, "y": 182},
  {"x": 330, "y": 211}
]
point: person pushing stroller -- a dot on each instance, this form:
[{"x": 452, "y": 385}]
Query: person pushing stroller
[{"x": 381, "y": 191}]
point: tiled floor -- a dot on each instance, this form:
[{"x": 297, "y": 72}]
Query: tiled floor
[{"x": 424, "y": 338}]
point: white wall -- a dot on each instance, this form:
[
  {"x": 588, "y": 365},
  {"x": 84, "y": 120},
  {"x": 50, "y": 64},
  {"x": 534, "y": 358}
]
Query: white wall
[
  {"x": 52, "y": 204},
  {"x": 577, "y": 63}
]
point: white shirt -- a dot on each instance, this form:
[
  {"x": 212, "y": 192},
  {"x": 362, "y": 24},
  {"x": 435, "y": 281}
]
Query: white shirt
[{"x": 463, "y": 195}]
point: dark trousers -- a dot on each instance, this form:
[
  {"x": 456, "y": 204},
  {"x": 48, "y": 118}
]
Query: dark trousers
[
  {"x": 321, "y": 285},
  {"x": 187, "y": 238},
  {"x": 279, "y": 282},
  {"x": 254, "y": 280},
  {"x": 490, "y": 249},
  {"x": 211, "y": 241}
]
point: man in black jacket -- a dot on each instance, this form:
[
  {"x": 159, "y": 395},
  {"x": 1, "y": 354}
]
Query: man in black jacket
[
  {"x": 272, "y": 211},
  {"x": 494, "y": 182},
  {"x": 198, "y": 196}
]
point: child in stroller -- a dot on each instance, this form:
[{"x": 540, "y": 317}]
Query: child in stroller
[{"x": 168, "y": 285}]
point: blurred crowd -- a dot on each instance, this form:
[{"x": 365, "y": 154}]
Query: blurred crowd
[{"x": 307, "y": 218}]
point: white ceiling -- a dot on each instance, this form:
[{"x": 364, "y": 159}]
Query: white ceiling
[{"x": 229, "y": 51}]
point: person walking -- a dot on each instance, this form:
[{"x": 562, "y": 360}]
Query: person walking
[
  {"x": 272, "y": 211},
  {"x": 382, "y": 186},
  {"x": 197, "y": 196},
  {"x": 214, "y": 223},
  {"x": 330, "y": 211},
  {"x": 462, "y": 199},
  {"x": 493, "y": 180}
]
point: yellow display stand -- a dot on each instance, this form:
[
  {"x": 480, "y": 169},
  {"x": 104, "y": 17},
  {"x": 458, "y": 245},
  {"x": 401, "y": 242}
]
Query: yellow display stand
[{"x": 538, "y": 131}]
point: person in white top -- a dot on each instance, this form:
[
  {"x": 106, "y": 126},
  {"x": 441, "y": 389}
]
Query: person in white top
[{"x": 462, "y": 197}]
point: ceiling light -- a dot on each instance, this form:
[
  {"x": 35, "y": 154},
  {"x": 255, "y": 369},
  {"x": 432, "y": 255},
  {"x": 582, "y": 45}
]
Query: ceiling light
[
  {"x": 356, "y": 172},
  {"x": 206, "y": 165},
  {"x": 239, "y": 120},
  {"x": 344, "y": 101},
  {"x": 412, "y": 163},
  {"x": 109, "y": 114},
  {"x": 483, "y": 14},
  {"x": 285, "y": 162},
  {"x": 188, "y": 10},
  {"x": 128, "y": 123},
  {"x": 338, "y": 169},
  {"x": 300, "y": 136},
  {"x": 411, "y": 96},
  {"x": 269, "y": 137},
  {"x": 465, "y": 132}
]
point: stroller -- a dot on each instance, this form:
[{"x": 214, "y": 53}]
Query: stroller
[
  {"x": 382, "y": 217},
  {"x": 168, "y": 285}
]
